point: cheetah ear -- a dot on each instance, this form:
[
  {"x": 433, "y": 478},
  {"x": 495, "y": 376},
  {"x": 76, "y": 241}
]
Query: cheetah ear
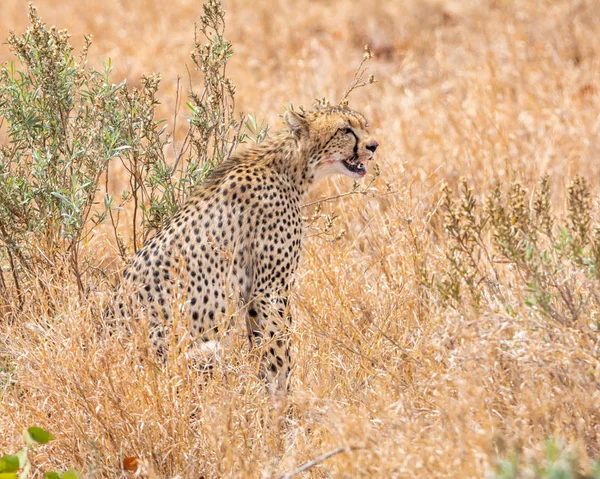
[{"x": 296, "y": 122}]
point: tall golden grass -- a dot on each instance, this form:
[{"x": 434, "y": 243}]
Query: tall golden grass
[{"x": 406, "y": 385}]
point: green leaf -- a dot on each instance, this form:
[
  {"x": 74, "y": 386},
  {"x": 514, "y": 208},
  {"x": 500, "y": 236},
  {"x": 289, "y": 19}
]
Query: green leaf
[
  {"x": 9, "y": 463},
  {"x": 39, "y": 435},
  {"x": 61, "y": 197},
  {"x": 70, "y": 474},
  {"x": 52, "y": 475},
  {"x": 8, "y": 475}
]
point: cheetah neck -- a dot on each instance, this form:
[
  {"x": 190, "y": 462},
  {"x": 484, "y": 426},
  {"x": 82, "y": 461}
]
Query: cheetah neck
[
  {"x": 281, "y": 153},
  {"x": 284, "y": 154}
]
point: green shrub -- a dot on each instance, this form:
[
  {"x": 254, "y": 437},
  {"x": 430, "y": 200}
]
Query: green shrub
[
  {"x": 67, "y": 123},
  {"x": 61, "y": 118},
  {"x": 513, "y": 244}
]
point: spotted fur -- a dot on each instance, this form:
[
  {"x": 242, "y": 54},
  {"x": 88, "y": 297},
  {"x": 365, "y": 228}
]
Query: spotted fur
[{"x": 235, "y": 244}]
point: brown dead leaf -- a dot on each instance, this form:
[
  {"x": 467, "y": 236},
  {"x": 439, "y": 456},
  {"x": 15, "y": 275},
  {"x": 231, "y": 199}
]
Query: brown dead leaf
[{"x": 130, "y": 463}]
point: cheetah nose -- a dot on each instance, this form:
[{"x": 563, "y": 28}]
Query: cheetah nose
[{"x": 372, "y": 146}]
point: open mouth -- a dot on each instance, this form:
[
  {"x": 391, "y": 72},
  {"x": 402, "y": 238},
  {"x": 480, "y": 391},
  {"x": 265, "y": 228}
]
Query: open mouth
[{"x": 352, "y": 164}]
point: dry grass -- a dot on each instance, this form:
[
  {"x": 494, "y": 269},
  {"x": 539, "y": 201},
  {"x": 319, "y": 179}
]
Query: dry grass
[{"x": 408, "y": 386}]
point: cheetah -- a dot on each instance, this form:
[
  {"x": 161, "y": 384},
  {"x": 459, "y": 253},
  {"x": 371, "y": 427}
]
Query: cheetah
[{"x": 237, "y": 238}]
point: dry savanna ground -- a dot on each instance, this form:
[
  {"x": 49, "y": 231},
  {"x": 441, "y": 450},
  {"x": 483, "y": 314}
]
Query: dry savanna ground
[{"x": 408, "y": 380}]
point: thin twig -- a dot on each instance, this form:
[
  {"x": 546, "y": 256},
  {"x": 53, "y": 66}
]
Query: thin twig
[
  {"x": 183, "y": 148},
  {"x": 15, "y": 277},
  {"x": 191, "y": 88},
  {"x": 176, "y": 113},
  {"x": 235, "y": 139},
  {"x": 311, "y": 464},
  {"x": 365, "y": 192},
  {"x": 358, "y": 81},
  {"x": 341, "y": 195}
]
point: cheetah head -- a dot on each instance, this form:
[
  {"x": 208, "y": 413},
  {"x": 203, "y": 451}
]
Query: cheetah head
[{"x": 335, "y": 139}]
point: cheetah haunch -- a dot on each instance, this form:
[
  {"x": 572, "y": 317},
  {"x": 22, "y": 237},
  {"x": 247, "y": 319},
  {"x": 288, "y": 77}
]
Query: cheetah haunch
[{"x": 237, "y": 239}]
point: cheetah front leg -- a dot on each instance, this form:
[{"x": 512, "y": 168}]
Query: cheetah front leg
[{"x": 269, "y": 325}]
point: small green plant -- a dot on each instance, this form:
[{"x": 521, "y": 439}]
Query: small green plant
[
  {"x": 559, "y": 462},
  {"x": 18, "y": 465},
  {"x": 215, "y": 128},
  {"x": 511, "y": 233}
]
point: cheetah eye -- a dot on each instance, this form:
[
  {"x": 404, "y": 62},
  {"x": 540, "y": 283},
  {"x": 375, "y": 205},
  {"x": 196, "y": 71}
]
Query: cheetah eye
[{"x": 347, "y": 131}]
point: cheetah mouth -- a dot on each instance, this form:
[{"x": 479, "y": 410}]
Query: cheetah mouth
[{"x": 355, "y": 166}]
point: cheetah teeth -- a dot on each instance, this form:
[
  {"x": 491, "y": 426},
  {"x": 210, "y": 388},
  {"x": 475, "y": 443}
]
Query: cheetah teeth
[{"x": 355, "y": 167}]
